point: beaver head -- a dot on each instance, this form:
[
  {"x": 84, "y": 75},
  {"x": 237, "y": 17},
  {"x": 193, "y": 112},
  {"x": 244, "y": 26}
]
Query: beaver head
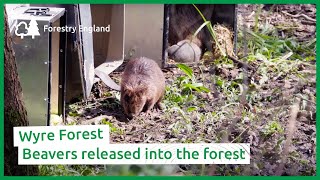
[{"x": 133, "y": 100}]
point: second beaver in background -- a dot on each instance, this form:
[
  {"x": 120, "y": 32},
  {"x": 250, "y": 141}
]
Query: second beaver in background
[
  {"x": 142, "y": 86},
  {"x": 184, "y": 22}
]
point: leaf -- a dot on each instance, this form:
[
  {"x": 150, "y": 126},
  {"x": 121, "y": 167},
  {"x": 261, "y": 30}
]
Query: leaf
[
  {"x": 211, "y": 30},
  {"x": 192, "y": 108},
  {"x": 187, "y": 70},
  {"x": 198, "y": 87},
  {"x": 197, "y": 84},
  {"x": 190, "y": 86},
  {"x": 202, "y": 88},
  {"x": 204, "y": 19},
  {"x": 200, "y": 28},
  {"x": 313, "y": 41},
  {"x": 256, "y": 36},
  {"x": 73, "y": 114},
  {"x": 264, "y": 79},
  {"x": 261, "y": 57},
  {"x": 220, "y": 83}
]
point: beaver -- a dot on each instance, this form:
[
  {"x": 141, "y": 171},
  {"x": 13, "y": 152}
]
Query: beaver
[
  {"x": 185, "y": 20},
  {"x": 142, "y": 86}
]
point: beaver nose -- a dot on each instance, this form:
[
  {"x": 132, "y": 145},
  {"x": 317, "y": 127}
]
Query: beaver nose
[{"x": 130, "y": 116}]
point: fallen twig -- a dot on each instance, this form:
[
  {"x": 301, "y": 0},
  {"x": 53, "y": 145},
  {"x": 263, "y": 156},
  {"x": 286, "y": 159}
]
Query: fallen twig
[
  {"x": 291, "y": 128},
  {"x": 300, "y": 96},
  {"x": 95, "y": 120},
  {"x": 242, "y": 64},
  {"x": 299, "y": 15},
  {"x": 240, "y": 134},
  {"x": 308, "y": 22}
]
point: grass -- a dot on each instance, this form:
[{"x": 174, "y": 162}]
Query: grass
[
  {"x": 213, "y": 34},
  {"x": 181, "y": 93}
]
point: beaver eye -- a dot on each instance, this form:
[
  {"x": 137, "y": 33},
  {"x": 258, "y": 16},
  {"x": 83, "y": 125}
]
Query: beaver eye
[{"x": 126, "y": 98}]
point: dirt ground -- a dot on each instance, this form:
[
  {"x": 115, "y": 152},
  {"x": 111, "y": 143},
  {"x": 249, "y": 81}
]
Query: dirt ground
[{"x": 263, "y": 119}]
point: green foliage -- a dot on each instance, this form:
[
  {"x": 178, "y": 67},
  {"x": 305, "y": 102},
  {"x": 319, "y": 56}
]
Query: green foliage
[
  {"x": 210, "y": 28},
  {"x": 265, "y": 44},
  {"x": 140, "y": 170},
  {"x": 182, "y": 91},
  {"x": 107, "y": 170},
  {"x": 73, "y": 114},
  {"x": 187, "y": 70},
  {"x": 275, "y": 55},
  {"x": 68, "y": 170},
  {"x": 113, "y": 129},
  {"x": 271, "y": 128}
]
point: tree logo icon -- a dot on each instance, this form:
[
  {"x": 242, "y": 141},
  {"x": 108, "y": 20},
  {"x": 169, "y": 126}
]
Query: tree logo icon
[{"x": 32, "y": 30}]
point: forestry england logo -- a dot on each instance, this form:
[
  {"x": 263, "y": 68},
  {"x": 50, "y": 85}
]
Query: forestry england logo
[{"x": 22, "y": 29}]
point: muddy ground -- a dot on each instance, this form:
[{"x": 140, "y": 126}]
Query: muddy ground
[{"x": 262, "y": 118}]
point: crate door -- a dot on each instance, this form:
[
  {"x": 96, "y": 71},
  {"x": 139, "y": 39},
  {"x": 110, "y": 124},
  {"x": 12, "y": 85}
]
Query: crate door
[{"x": 100, "y": 52}]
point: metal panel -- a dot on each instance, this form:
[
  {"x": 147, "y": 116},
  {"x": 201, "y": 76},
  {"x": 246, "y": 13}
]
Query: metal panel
[
  {"x": 10, "y": 10},
  {"x": 117, "y": 36},
  {"x": 108, "y": 47},
  {"x": 86, "y": 49},
  {"x": 33, "y": 57},
  {"x": 101, "y": 17},
  {"x": 73, "y": 87},
  {"x": 144, "y": 31},
  {"x": 54, "y": 96},
  {"x": 115, "y": 46}
]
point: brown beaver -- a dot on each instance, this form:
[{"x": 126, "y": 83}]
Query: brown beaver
[
  {"x": 142, "y": 86},
  {"x": 184, "y": 22}
]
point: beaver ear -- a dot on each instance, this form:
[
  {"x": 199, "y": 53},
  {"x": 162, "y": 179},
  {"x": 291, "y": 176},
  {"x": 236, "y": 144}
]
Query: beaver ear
[{"x": 127, "y": 88}]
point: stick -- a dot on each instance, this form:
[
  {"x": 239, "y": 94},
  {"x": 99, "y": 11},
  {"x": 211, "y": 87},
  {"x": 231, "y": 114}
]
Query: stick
[
  {"x": 94, "y": 120},
  {"x": 243, "y": 64},
  {"x": 291, "y": 128},
  {"x": 299, "y": 15}
]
